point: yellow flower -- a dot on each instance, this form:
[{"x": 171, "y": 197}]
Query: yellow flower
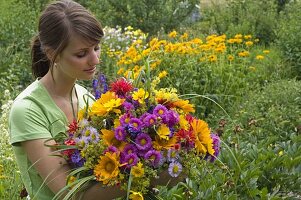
[
  {"x": 243, "y": 54},
  {"x": 184, "y": 105},
  {"x": 172, "y": 34},
  {"x": 162, "y": 74},
  {"x": 249, "y": 43},
  {"x": 280, "y": 153},
  {"x": 203, "y": 141},
  {"x": 266, "y": 51},
  {"x": 184, "y": 36},
  {"x": 138, "y": 170},
  {"x": 70, "y": 180},
  {"x": 256, "y": 40},
  {"x": 248, "y": 37},
  {"x": 140, "y": 95},
  {"x": 160, "y": 143},
  {"x": 109, "y": 138},
  {"x": 230, "y": 58},
  {"x": 106, "y": 103},
  {"x": 183, "y": 122},
  {"x": 136, "y": 196},
  {"x": 212, "y": 58},
  {"x": 259, "y": 57},
  {"x": 107, "y": 167},
  {"x": 163, "y": 132}
]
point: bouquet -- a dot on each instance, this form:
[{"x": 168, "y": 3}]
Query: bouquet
[{"x": 129, "y": 135}]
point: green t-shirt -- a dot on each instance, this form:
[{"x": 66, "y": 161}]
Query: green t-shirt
[{"x": 34, "y": 115}]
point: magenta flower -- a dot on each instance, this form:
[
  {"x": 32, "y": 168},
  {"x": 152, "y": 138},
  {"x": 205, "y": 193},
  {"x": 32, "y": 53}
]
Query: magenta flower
[
  {"x": 129, "y": 148},
  {"x": 143, "y": 141},
  {"x": 150, "y": 120},
  {"x": 135, "y": 125},
  {"x": 216, "y": 146},
  {"x": 120, "y": 133},
  {"x": 153, "y": 157},
  {"x": 172, "y": 155},
  {"x": 160, "y": 110},
  {"x": 174, "y": 169},
  {"x": 111, "y": 149},
  {"x": 125, "y": 119},
  {"x": 130, "y": 160},
  {"x": 171, "y": 118}
]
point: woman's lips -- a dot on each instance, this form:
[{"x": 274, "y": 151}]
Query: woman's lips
[{"x": 90, "y": 70}]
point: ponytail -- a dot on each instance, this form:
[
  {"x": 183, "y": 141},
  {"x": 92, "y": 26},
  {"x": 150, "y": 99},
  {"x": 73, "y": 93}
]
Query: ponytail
[{"x": 40, "y": 63}]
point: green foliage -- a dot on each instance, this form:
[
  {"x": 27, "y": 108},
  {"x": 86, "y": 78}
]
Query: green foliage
[
  {"x": 289, "y": 34},
  {"x": 243, "y": 16},
  {"x": 149, "y": 16}
]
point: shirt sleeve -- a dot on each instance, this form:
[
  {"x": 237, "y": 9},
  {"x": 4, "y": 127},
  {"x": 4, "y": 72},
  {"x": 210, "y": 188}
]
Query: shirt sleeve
[{"x": 27, "y": 122}]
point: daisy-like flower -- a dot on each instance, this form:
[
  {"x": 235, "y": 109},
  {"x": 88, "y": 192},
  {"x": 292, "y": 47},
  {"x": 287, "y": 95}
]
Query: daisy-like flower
[
  {"x": 135, "y": 124},
  {"x": 149, "y": 120},
  {"x": 171, "y": 118},
  {"x": 121, "y": 87},
  {"x": 120, "y": 133},
  {"x": 153, "y": 157},
  {"x": 160, "y": 110},
  {"x": 140, "y": 95},
  {"x": 138, "y": 170},
  {"x": 128, "y": 106},
  {"x": 111, "y": 149},
  {"x": 107, "y": 168},
  {"x": 136, "y": 196},
  {"x": 109, "y": 138},
  {"x": 174, "y": 169},
  {"x": 91, "y": 133},
  {"x": 125, "y": 119},
  {"x": 130, "y": 160},
  {"x": 129, "y": 148},
  {"x": 203, "y": 141},
  {"x": 143, "y": 141},
  {"x": 216, "y": 146},
  {"x": 163, "y": 131},
  {"x": 172, "y": 155}
]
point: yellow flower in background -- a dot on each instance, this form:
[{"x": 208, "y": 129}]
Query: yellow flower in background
[
  {"x": 244, "y": 54},
  {"x": 280, "y": 153},
  {"x": 107, "y": 167},
  {"x": 183, "y": 122},
  {"x": 249, "y": 43},
  {"x": 256, "y": 40},
  {"x": 120, "y": 71},
  {"x": 248, "y": 37},
  {"x": 259, "y": 57},
  {"x": 172, "y": 34},
  {"x": 163, "y": 132},
  {"x": 212, "y": 58},
  {"x": 184, "y": 36},
  {"x": 238, "y": 36},
  {"x": 162, "y": 74},
  {"x": 203, "y": 142},
  {"x": 138, "y": 170},
  {"x": 140, "y": 95},
  {"x": 136, "y": 196},
  {"x": 266, "y": 51},
  {"x": 230, "y": 57}
]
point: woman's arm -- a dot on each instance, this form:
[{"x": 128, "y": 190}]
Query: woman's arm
[{"x": 54, "y": 170}]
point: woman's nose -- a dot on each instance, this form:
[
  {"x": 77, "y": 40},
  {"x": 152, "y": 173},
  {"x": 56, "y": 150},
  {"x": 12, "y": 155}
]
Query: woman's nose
[{"x": 94, "y": 58}]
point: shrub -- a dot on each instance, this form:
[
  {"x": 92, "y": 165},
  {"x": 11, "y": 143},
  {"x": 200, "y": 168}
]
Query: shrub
[
  {"x": 289, "y": 35},
  {"x": 149, "y": 16}
]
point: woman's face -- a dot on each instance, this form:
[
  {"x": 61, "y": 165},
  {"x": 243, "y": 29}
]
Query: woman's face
[{"x": 78, "y": 60}]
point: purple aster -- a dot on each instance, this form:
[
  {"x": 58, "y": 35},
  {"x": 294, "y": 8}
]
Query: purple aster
[
  {"x": 172, "y": 155},
  {"x": 153, "y": 157},
  {"x": 174, "y": 169},
  {"x": 125, "y": 119},
  {"x": 111, "y": 149},
  {"x": 99, "y": 86},
  {"x": 171, "y": 118},
  {"x": 120, "y": 133},
  {"x": 131, "y": 160},
  {"x": 129, "y": 148},
  {"x": 82, "y": 142},
  {"x": 135, "y": 124},
  {"x": 143, "y": 142},
  {"x": 216, "y": 146},
  {"x": 160, "y": 110},
  {"x": 128, "y": 106},
  {"x": 76, "y": 159},
  {"x": 150, "y": 120}
]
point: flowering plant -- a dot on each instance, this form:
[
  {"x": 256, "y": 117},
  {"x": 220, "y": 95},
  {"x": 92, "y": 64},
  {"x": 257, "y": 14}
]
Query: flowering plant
[{"x": 129, "y": 135}]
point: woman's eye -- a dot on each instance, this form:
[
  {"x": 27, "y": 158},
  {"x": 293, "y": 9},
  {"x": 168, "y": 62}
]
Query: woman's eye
[
  {"x": 96, "y": 48},
  {"x": 81, "y": 54}
]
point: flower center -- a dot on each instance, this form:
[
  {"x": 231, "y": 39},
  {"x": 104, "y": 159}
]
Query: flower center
[
  {"x": 143, "y": 141},
  {"x": 109, "y": 167},
  {"x": 161, "y": 112},
  {"x": 175, "y": 169}
]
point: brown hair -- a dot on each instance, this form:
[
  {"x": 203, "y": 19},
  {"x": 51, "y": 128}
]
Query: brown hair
[{"x": 57, "y": 23}]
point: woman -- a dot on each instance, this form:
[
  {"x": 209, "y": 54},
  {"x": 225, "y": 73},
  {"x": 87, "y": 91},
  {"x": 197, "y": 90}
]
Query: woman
[{"x": 66, "y": 49}]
